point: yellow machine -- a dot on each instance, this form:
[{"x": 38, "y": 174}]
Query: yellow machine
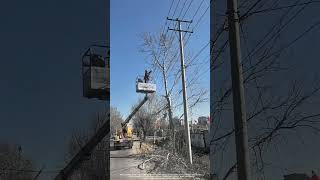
[
  {"x": 119, "y": 134},
  {"x": 123, "y": 138},
  {"x": 129, "y": 132}
]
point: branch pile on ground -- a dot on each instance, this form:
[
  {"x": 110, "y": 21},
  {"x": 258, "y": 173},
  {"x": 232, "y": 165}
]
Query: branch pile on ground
[
  {"x": 145, "y": 148},
  {"x": 163, "y": 160}
]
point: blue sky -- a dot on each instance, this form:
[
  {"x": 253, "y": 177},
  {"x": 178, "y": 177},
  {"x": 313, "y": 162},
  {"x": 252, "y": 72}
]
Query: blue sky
[{"x": 129, "y": 19}]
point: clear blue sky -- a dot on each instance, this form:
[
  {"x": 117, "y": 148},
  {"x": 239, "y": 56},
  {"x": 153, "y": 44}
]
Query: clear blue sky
[{"x": 129, "y": 19}]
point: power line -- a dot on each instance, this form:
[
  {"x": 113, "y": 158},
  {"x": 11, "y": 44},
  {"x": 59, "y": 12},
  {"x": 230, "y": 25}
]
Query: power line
[
  {"x": 187, "y": 9},
  {"x": 171, "y": 36},
  {"x": 220, "y": 51},
  {"x": 166, "y": 21},
  {"x": 219, "y": 33},
  {"x": 29, "y": 171},
  {"x": 248, "y": 12},
  {"x": 191, "y": 62},
  {"x": 195, "y": 16},
  {"x": 170, "y": 7},
  {"x": 184, "y": 4},
  {"x": 255, "y": 80},
  {"x": 197, "y": 23},
  {"x": 295, "y": 40},
  {"x": 173, "y": 16},
  {"x": 198, "y": 9},
  {"x": 200, "y": 18},
  {"x": 176, "y": 8},
  {"x": 257, "y": 49},
  {"x": 252, "y": 7},
  {"x": 278, "y": 8},
  {"x": 199, "y": 52},
  {"x": 244, "y": 2},
  {"x": 196, "y": 12}
]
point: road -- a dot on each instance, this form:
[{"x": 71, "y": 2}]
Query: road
[{"x": 122, "y": 163}]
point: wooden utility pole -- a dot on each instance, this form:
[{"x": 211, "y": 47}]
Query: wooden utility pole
[
  {"x": 213, "y": 34},
  {"x": 184, "y": 91},
  {"x": 239, "y": 106}
]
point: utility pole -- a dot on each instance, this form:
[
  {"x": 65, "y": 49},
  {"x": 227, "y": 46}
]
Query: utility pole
[
  {"x": 239, "y": 106},
  {"x": 184, "y": 91},
  {"x": 213, "y": 34}
]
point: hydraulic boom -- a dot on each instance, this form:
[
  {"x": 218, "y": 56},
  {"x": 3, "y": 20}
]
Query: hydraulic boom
[{"x": 124, "y": 124}]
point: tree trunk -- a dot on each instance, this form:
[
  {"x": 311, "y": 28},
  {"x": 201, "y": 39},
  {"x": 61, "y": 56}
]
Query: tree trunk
[{"x": 169, "y": 107}]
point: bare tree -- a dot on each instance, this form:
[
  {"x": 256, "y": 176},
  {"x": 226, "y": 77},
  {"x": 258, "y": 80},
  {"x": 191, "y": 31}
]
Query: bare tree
[
  {"x": 277, "y": 108},
  {"x": 145, "y": 119},
  {"x": 14, "y": 165},
  {"x": 160, "y": 64},
  {"x": 162, "y": 54},
  {"x": 116, "y": 119},
  {"x": 97, "y": 163}
]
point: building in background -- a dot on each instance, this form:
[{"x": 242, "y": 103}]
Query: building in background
[
  {"x": 203, "y": 120},
  {"x": 177, "y": 122},
  {"x": 296, "y": 176}
]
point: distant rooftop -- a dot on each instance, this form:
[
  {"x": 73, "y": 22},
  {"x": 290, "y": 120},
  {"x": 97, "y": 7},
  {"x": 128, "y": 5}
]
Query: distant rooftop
[{"x": 296, "y": 176}]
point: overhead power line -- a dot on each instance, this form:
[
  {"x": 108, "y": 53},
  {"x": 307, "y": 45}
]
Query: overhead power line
[
  {"x": 258, "y": 47},
  {"x": 171, "y": 35},
  {"x": 166, "y": 21},
  {"x": 313, "y": 26},
  {"x": 197, "y": 23},
  {"x": 252, "y": 7},
  {"x": 187, "y": 9},
  {"x": 184, "y": 4},
  {"x": 28, "y": 171},
  {"x": 277, "y": 8}
]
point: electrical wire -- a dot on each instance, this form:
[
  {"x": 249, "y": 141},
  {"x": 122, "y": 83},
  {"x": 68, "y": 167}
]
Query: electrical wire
[
  {"x": 278, "y": 8},
  {"x": 184, "y": 4},
  {"x": 197, "y": 23},
  {"x": 171, "y": 38},
  {"x": 166, "y": 21},
  {"x": 28, "y": 171},
  {"x": 313, "y": 26},
  {"x": 257, "y": 48},
  {"x": 187, "y": 9}
]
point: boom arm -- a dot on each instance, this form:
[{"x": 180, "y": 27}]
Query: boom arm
[
  {"x": 123, "y": 124},
  {"x": 85, "y": 151}
]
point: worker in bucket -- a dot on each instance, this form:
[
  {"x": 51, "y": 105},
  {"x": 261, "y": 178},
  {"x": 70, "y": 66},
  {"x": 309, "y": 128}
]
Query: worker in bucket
[{"x": 146, "y": 76}]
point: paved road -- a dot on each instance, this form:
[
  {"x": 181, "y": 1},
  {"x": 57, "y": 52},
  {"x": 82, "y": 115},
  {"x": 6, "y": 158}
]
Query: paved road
[{"x": 122, "y": 162}]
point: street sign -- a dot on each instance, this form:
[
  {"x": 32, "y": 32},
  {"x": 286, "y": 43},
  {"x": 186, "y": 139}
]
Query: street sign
[{"x": 142, "y": 87}]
